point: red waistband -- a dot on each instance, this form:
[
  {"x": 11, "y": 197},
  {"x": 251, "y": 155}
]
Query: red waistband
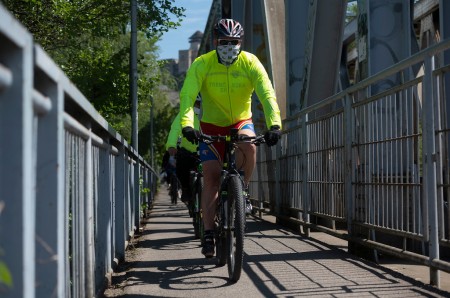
[{"x": 211, "y": 129}]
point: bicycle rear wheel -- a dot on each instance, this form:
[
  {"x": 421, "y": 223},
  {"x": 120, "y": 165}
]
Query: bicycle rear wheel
[
  {"x": 236, "y": 221},
  {"x": 174, "y": 186}
]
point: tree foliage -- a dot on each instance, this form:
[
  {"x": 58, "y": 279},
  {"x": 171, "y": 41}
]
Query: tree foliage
[
  {"x": 90, "y": 41},
  {"x": 59, "y": 24}
]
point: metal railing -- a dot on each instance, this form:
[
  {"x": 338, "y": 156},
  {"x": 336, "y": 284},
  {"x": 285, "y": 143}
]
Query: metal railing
[
  {"x": 72, "y": 191},
  {"x": 371, "y": 168}
]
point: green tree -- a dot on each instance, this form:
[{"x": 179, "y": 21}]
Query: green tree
[
  {"x": 90, "y": 41},
  {"x": 164, "y": 113},
  {"x": 57, "y": 24}
]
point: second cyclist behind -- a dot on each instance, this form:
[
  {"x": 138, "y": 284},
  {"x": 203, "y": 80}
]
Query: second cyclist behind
[{"x": 185, "y": 151}]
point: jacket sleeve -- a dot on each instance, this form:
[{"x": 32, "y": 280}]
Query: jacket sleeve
[
  {"x": 174, "y": 134},
  {"x": 266, "y": 94},
  {"x": 191, "y": 87}
]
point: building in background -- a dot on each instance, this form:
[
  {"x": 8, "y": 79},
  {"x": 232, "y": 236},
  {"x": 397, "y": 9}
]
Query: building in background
[
  {"x": 178, "y": 68},
  {"x": 186, "y": 57},
  {"x": 172, "y": 66}
]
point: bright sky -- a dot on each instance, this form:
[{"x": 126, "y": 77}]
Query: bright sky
[{"x": 197, "y": 12}]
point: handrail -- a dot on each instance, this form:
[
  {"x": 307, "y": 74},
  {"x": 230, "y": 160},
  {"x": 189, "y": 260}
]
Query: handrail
[{"x": 5, "y": 77}]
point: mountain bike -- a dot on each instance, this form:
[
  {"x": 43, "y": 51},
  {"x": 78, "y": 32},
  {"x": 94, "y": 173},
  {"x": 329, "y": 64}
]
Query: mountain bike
[
  {"x": 196, "y": 184},
  {"x": 230, "y": 215}
]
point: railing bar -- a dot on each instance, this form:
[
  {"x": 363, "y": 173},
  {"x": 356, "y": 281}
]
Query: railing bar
[
  {"x": 41, "y": 103},
  {"x": 114, "y": 150},
  {"x": 441, "y": 70},
  {"x": 98, "y": 141},
  {"x": 416, "y": 58},
  {"x": 75, "y": 127},
  {"x": 6, "y": 77},
  {"x": 388, "y": 92}
]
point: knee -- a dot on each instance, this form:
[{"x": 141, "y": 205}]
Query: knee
[
  {"x": 253, "y": 149},
  {"x": 210, "y": 182},
  {"x": 249, "y": 149}
]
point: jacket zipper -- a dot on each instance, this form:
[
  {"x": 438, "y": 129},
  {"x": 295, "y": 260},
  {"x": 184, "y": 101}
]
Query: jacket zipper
[{"x": 229, "y": 97}]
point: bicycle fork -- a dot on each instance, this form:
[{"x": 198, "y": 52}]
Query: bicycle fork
[{"x": 224, "y": 204}]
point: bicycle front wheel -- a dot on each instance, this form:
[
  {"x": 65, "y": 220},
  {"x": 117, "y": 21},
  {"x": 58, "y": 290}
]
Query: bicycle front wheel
[
  {"x": 236, "y": 217},
  {"x": 198, "y": 220}
]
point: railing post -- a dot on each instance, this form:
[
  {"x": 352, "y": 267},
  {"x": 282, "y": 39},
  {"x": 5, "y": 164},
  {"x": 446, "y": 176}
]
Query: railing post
[
  {"x": 51, "y": 276},
  {"x": 103, "y": 207},
  {"x": 17, "y": 164},
  {"x": 128, "y": 196},
  {"x": 277, "y": 178},
  {"x": 348, "y": 162},
  {"x": 429, "y": 159},
  {"x": 119, "y": 206},
  {"x": 89, "y": 223},
  {"x": 136, "y": 194},
  {"x": 304, "y": 149}
]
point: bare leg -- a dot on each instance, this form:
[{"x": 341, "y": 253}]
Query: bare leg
[
  {"x": 246, "y": 156},
  {"x": 211, "y": 181}
]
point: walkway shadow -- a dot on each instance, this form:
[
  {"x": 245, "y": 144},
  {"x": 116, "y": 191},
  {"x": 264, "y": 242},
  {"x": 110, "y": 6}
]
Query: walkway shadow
[
  {"x": 277, "y": 263},
  {"x": 318, "y": 268}
]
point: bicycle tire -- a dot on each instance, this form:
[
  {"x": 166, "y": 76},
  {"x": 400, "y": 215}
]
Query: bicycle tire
[
  {"x": 221, "y": 249},
  {"x": 174, "y": 189},
  {"x": 235, "y": 237},
  {"x": 221, "y": 235},
  {"x": 198, "y": 220}
]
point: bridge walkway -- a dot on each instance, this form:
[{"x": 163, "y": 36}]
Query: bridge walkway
[{"x": 164, "y": 260}]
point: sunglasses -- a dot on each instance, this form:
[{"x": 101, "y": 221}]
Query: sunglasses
[{"x": 225, "y": 42}]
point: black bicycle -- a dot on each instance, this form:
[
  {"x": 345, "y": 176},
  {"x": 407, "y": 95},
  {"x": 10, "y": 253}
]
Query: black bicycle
[
  {"x": 230, "y": 215},
  {"x": 196, "y": 185}
]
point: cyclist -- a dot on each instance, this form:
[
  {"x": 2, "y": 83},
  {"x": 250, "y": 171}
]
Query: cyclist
[
  {"x": 168, "y": 165},
  {"x": 185, "y": 152},
  {"x": 226, "y": 78}
]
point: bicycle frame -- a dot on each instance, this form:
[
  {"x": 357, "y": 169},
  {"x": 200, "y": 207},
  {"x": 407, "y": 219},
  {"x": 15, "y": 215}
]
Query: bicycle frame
[{"x": 229, "y": 169}]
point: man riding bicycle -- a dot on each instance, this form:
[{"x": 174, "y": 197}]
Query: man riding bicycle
[
  {"x": 226, "y": 77},
  {"x": 185, "y": 152}
]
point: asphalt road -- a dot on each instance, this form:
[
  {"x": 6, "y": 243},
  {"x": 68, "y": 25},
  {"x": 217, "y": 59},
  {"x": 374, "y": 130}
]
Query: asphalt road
[{"x": 164, "y": 260}]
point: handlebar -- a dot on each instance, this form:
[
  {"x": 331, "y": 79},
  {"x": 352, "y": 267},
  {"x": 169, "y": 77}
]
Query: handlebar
[{"x": 208, "y": 139}]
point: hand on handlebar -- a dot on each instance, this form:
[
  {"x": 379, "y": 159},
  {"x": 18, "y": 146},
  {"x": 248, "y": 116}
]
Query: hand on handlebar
[
  {"x": 191, "y": 134},
  {"x": 273, "y": 135},
  {"x": 240, "y": 139}
]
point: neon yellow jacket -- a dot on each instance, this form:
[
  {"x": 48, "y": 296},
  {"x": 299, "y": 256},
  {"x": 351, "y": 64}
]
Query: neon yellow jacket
[
  {"x": 175, "y": 133},
  {"x": 226, "y": 91}
]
